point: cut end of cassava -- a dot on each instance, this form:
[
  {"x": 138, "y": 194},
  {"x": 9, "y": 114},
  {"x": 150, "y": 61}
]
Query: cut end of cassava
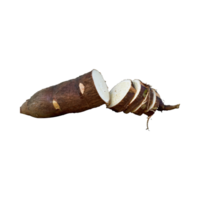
[
  {"x": 101, "y": 86},
  {"x": 118, "y": 92}
]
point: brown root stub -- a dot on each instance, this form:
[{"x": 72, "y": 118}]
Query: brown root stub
[
  {"x": 83, "y": 93},
  {"x": 168, "y": 107},
  {"x": 178, "y": 105}
]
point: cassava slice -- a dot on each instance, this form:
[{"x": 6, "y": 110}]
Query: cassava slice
[
  {"x": 85, "y": 92},
  {"x": 141, "y": 92},
  {"x": 153, "y": 109},
  {"x": 121, "y": 95},
  {"x": 149, "y": 104},
  {"x": 143, "y": 106}
]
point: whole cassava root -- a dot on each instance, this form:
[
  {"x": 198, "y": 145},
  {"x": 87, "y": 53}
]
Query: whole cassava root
[
  {"x": 145, "y": 99},
  {"x": 85, "y": 92}
]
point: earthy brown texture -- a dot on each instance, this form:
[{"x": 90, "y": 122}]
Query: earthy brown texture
[
  {"x": 145, "y": 101},
  {"x": 153, "y": 110},
  {"x": 140, "y": 98},
  {"x": 71, "y": 96},
  {"x": 167, "y": 107},
  {"x": 146, "y": 104}
]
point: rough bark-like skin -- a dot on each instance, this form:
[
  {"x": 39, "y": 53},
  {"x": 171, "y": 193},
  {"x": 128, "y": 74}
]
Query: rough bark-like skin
[
  {"x": 147, "y": 104},
  {"x": 68, "y": 97},
  {"x": 155, "y": 107},
  {"x": 140, "y": 98},
  {"x": 144, "y": 108},
  {"x": 23, "y": 108},
  {"x": 167, "y": 107},
  {"x": 159, "y": 105},
  {"x": 125, "y": 101}
]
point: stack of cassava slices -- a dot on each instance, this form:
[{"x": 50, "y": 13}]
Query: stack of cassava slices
[{"x": 133, "y": 96}]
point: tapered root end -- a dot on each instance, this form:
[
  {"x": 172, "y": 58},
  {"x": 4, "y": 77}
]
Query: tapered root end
[
  {"x": 164, "y": 107},
  {"x": 178, "y": 105},
  {"x": 22, "y": 109}
]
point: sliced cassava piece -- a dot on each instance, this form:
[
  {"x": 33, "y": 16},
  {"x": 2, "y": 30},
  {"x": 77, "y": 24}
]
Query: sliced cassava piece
[
  {"x": 141, "y": 93},
  {"x": 148, "y": 102},
  {"x": 137, "y": 97},
  {"x": 121, "y": 95},
  {"x": 83, "y": 93},
  {"x": 154, "y": 107}
]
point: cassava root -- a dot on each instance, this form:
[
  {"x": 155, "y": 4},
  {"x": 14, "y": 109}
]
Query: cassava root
[
  {"x": 89, "y": 91},
  {"x": 85, "y": 92}
]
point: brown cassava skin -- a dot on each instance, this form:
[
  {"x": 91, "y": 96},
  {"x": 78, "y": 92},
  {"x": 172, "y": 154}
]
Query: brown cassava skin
[
  {"x": 140, "y": 98},
  {"x": 160, "y": 104},
  {"x": 160, "y": 107},
  {"x": 67, "y": 97},
  {"x": 167, "y": 107},
  {"x": 155, "y": 107},
  {"x": 125, "y": 101},
  {"x": 147, "y": 104}
]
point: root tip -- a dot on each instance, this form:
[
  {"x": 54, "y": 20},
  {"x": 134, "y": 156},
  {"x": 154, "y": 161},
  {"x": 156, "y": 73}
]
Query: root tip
[
  {"x": 19, "y": 110},
  {"x": 178, "y": 105}
]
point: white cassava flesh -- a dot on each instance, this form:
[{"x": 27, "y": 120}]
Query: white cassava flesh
[
  {"x": 137, "y": 86},
  {"x": 153, "y": 102},
  {"x": 140, "y": 95},
  {"x": 101, "y": 86},
  {"x": 118, "y": 92},
  {"x": 143, "y": 102}
]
